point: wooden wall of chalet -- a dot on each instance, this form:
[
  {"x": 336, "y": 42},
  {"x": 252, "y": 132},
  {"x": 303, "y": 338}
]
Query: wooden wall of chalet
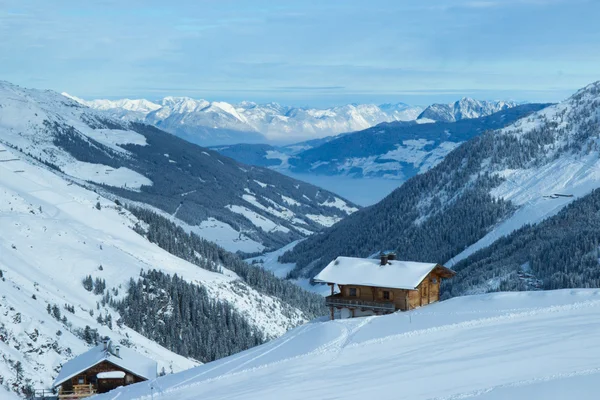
[
  {"x": 427, "y": 292},
  {"x": 102, "y": 385}
]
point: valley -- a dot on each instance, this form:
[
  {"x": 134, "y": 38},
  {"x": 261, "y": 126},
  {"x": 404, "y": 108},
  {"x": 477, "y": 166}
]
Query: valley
[{"x": 299, "y": 200}]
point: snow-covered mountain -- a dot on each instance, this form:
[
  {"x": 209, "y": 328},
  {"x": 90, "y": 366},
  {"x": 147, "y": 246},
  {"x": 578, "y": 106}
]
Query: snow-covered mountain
[
  {"x": 463, "y": 109},
  {"x": 70, "y": 250},
  {"x": 486, "y": 188},
  {"x": 239, "y": 207},
  {"x": 124, "y": 109},
  {"x": 499, "y": 346},
  {"x": 216, "y": 123},
  {"x": 395, "y": 150},
  {"x": 54, "y": 234}
]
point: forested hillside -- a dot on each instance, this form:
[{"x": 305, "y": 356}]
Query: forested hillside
[
  {"x": 190, "y": 247},
  {"x": 242, "y": 208},
  {"x": 395, "y": 150},
  {"x": 560, "y": 252},
  {"x": 487, "y": 187}
]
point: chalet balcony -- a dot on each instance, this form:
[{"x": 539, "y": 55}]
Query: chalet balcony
[
  {"x": 349, "y": 302},
  {"x": 78, "y": 392}
]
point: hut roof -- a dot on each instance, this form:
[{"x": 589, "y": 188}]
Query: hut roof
[
  {"x": 369, "y": 272},
  {"x": 128, "y": 359}
]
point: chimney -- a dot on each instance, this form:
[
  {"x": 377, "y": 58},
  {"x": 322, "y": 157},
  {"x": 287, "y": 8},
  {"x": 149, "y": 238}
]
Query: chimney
[
  {"x": 106, "y": 341},
  {"x": 384, "y": 259},
  {"x": 391, "y": 256},
  {"x": 118, "y": 351}
]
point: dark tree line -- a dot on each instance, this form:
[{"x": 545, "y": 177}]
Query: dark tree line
[
  {"x": 436, "y": 215},
  {"x": 183, "y": 318},
  {"x": 561, "y": 252},
  {"x": 209, "y": 256}
]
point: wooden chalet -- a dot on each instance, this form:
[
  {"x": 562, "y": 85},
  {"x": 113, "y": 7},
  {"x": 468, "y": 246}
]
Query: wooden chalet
[
  {"x": 370, "y": 286},
  {"x": 101, "y": 369}
]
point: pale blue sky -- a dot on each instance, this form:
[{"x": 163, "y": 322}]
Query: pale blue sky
[{"x": 303, "y": 52}]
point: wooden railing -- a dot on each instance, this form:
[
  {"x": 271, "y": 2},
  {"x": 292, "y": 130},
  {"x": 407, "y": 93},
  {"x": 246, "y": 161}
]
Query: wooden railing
[
  {"x": 338, "y": 301},
  {"x": 78, "y": 392}
]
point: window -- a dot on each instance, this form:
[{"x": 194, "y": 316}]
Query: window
[
  {"x": 352, "y": 292},
  {"x": 386, "y": 295},
  {"x": 433, "y": 280},
  {"x": 81, "y": 380}
]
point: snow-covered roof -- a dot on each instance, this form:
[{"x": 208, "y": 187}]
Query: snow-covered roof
[
  {"x": 128, "y": 359},
  {"x": 111, "y": 375},
  {"x": 368, "y": 272}
]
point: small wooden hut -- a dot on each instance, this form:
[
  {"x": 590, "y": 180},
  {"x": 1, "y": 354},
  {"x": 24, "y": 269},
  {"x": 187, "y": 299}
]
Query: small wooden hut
[{"x": 101, "y": 369}]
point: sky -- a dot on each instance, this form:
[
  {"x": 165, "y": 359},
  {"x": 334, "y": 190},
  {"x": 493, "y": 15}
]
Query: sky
[{"x": 303, "y": 52}]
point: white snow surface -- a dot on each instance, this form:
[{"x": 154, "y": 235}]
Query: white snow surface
[
  {"x": 52, "y": 237},
  {"x": 323, "y": 219},
  {"x": 257, "y": 220},
  {"x": 225, "y": 236},
  {"x": 111, "y": 375},
  {"x": 519, "y": 346},
  {"x": 24, "y": 114},
  {"x": 369, "y": 272},
  {"x": 270, "y": 261},
  {"x": 341, "y": 205}
]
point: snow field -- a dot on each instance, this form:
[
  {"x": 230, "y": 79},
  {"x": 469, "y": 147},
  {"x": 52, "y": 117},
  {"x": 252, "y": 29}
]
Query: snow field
[
  {"x": 52, "y": 235},
  {"x": 482, "y": 347}
]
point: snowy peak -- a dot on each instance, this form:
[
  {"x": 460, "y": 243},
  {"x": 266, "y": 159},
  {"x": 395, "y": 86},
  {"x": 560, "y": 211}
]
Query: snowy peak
[
  {"x": 463, "y": 109},
  {"x": 200, "y": 120},
  {"x": 217, "y": 123},
  {"x": 138, "y": 105}
]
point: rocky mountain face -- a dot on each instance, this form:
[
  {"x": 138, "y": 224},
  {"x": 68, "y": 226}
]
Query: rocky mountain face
[
  {"x": 463, "y": 109},
  {"x": 483, "y": 190}
]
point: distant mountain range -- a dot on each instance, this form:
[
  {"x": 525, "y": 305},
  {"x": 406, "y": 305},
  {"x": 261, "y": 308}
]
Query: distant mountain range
[
  {"x": 216, "y": 123},
  {"x": 212, "y": 123},
  {"x": 475, "y": 210},
  {"x": 395, "y": 150},
  {"x": 464, "y": 108}
]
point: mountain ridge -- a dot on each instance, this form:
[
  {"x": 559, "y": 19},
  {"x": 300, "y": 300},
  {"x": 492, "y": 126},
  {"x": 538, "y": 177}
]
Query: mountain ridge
[
  {"x": 464, "y": 108},
  {"x": 242, "y": 208},
  {"x": 483, "y": 190}
]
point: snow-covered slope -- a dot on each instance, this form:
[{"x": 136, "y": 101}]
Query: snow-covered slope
[
  {"x": 239, "y": 207},
  {"x": 217, "y": 123},
  {"x": 567, "y": 168},
  {"x": 54, "y": 233},
  {"x": 396, "y": 150},
  {"x": 463, "y": 109},
  {"x": 484, "y": 189},
  {"x": 517, "y": 346}
]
